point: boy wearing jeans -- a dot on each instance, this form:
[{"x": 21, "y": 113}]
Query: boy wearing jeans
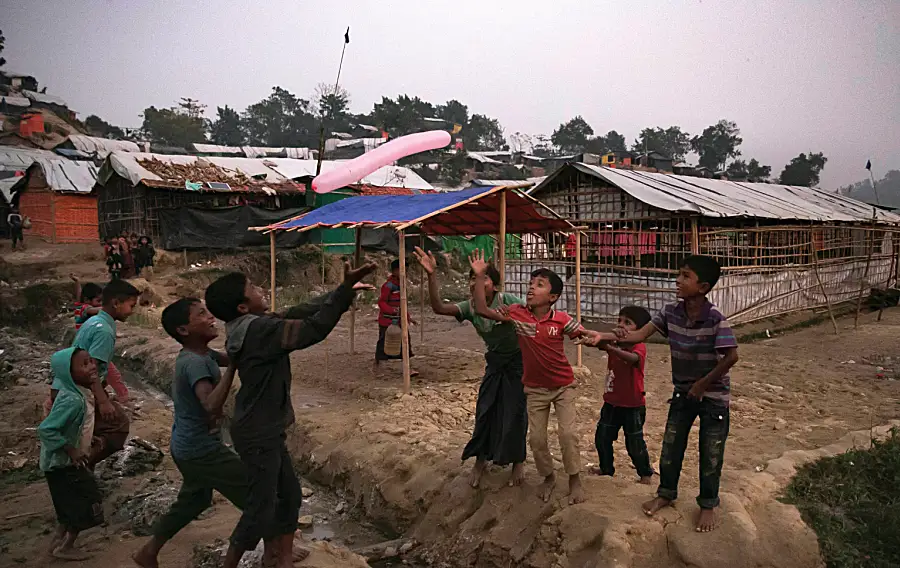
[
  {"x": 547, "y": 373},
  {"x": 703, "y": 350}
]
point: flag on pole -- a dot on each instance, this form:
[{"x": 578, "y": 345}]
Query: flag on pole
[
  {"x": 869, "y": 165},
  {"x": 347, "y": 35}
]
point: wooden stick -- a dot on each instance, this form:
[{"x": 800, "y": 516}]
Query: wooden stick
[
  {"x": 422, "y": 297},
  {"x": 865, "y": 274},
  {"x": 815, "y": 260},
  {"x": 501, "y": 256},
  {"x": 404, "y": 313},
  {"x": 695, "y": 236},
  {"x": 579, "y": 349},
  {"x": 890, "y": 275},
  {"x": 357, "y": 257},
  {"x": 272, "y": 270}
]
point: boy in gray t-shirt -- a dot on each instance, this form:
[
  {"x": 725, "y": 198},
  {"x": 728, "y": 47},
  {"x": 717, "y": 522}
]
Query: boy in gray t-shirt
[{"x": 199, "y": 393}]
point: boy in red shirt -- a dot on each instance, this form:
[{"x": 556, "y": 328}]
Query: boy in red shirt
[
  {"x": 547, "y": 373},
  {"x": 623, "y": 399}
]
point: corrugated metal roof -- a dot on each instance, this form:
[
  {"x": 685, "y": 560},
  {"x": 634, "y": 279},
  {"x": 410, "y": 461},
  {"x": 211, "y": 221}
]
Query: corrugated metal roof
[
  {"x": 126, "y": 165},
  {"x": 44, "y": 98},
  {"x": 723, "y": 198},
  {"x": 102, "y": 147}
]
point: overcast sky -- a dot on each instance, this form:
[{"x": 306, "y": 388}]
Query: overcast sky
[{"x": 796, "y": 76}]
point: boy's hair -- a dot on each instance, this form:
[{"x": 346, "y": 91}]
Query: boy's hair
[
  {"x": 225, "y": 295},
  {"x": 90, "y": 291},
  {"x": 119, "y": 290},
  {"x": 177, "y": 314},
  {"x": 492, "y": 273},
  {"x": 556, "y": 283},
  {"x": 395, "y": 265},
  {"x": 637, "y": 314},
  {"x": 705, "y": 267}
]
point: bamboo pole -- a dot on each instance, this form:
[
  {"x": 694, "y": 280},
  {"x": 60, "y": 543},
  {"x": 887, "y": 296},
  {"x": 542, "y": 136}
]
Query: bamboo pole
[
  {"x": 272, "y": 271},
  {"x": 695, "y": 236},
  {"x": 865, "y": 274},
  {"x": 357, "y": 257},
  {"x": 815, "y": 262},
  {"x": 501, "y": 256},
  {"x": 578, "y": 349},
  {"x": 404, "y": 313},
  {"x": 422, "y": 297}
]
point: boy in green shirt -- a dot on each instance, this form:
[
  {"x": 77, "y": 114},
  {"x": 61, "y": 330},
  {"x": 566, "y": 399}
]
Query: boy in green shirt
[{"x": 501, "y": 419}]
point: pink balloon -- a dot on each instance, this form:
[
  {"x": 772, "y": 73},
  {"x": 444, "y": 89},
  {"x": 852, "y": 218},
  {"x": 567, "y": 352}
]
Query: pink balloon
[{"x": 346, "y": 173}]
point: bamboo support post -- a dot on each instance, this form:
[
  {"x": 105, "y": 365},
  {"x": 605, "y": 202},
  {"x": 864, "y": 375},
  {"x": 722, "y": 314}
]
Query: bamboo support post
[
  {"x": 579, "y": 349},
  {"x": 865, "y": 274},
  {"x": 501, "y": 256},
  {"x": 890, "y": 278},
  {"x": 695, "y": 236},
  {"x": 404, "y": 313},
  {"x": 815, "y": 263},
  {"x": 422, "y": 297},
  {"x": 184, "y": 256},
  {"x": 272, "y": 270},
  {"x": 357, "y": 257}
]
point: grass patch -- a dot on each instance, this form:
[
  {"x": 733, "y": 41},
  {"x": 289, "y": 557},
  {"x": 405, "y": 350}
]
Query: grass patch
[{"x": 852, "y": 502}]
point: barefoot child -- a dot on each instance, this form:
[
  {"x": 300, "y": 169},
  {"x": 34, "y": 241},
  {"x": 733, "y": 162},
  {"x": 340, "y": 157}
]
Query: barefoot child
[
  {"x": 199, "y": 393},
  {"x": 703, "y": 350},
  {"x": 65, "y": 437},
  {"x": 547, "y": 373},
  {"x": 260, "y": 344},
  {"x": 501, "y": 419},
  {"x": 623, "y": 399}
]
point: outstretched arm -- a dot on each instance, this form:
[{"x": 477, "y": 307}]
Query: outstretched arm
[
  {"x": 479, "y": 267},
  {"x": 77, "y": 287},
  {"x": 637, "y": 336},
  {"x": 429, "y": 264}
]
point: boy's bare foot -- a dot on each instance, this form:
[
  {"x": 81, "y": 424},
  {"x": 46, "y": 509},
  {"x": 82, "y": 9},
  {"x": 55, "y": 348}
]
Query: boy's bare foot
[
  {"x": 707, "y": 521},
  {"x": 646, "y": 480},
  {"x": 651, "y": 507},
  {"x": 517, "y": 476},
  {"x": 596, "y": 471},
  {"x": 144, "y": 559},
  {"x": 545, "y": 489},
  {"x": 58, "y": 536},
  {"x": 576, "y": 491},
  {"x": 413, "y": 373},
  {"x": 69, "y": 553},
  {"x": 476, "y": 473}
]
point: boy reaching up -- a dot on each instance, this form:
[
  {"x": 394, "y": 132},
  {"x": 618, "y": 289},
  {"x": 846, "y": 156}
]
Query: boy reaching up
[
  {"x": 259, "y": 345},
  {"x": 704, "y": 349},
  {"x": 547, "y": 374},
  {"x": 501, "y": 419},
  {"x": 65, "y": 437}
]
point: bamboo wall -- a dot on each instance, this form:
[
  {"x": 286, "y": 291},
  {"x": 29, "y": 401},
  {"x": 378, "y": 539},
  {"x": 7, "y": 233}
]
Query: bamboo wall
[{"x": 631, "y": 253}]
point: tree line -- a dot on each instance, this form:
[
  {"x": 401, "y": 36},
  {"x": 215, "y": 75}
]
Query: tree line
[{"x": 283, "y": 119}]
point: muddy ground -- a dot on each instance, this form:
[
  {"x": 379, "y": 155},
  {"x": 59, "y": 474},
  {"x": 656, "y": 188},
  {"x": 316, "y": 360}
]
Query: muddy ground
[{"x": 395, "y": 457}]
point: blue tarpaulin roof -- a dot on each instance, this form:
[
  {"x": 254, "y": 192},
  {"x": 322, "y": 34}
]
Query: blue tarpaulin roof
[{"x": 473, "y": 211}]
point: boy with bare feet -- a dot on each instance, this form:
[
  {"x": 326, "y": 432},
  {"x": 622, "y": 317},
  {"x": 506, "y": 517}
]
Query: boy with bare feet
[
  {"x": 259, "y": 345},
  {"x": 547, "y": 374},
  {"x": 501, "y": 419},
  {"x": 703, "y": 350},
  {"x": 65, "y": 437},
  {"x": 623, "y": 399}
]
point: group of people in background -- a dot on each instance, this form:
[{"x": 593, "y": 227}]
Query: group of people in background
[
  {"x": 127, "y": 256},
  {"x": 527, "y": 374}
]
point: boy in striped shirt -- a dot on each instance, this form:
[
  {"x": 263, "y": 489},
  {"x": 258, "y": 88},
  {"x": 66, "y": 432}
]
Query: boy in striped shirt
[
  {"x": 703, "y": 350},
  {"x": 547, "y": 374}
]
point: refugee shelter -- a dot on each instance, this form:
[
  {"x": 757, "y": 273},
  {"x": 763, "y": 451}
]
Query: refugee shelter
[
  {"x": 473, "y": 211},
  {"x": 782, "y": 248},
  {"x": 79, "y": 146},
  {"x": 56, "y": 195}
]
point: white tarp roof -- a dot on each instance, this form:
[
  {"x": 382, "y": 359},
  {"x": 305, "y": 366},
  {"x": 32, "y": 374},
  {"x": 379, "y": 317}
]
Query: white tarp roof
[
  {"x": 15, "y": 158},
  {"x": 65, "y": 175},
  {"x": 101, "y": 146},
  {"x": 16, "y": 101},
  {"x": 44, "y": 98},
  {"x": 480, "y": 157},
  {"x": 252, "y": 151},
  {"x": 724, "y": 198},
  {"x": 126, "y": 165}
]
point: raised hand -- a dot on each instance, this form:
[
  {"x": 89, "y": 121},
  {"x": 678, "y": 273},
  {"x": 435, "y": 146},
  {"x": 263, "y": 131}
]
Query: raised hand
[
  {"x": 477, "y": 262},
  {"x": 354, "y": 275},
  {"x": 363, "y": 286},
  {"x": 426, "y": 259}
]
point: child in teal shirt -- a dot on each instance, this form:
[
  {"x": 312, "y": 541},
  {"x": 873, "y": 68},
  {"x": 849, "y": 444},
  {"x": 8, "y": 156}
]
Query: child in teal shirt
[{"x": 65, "y": 437}]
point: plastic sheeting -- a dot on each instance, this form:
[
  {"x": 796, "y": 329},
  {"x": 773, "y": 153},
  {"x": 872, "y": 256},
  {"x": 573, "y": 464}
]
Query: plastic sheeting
[
  {"x": 44, "y": 98},
  {"x": 100, "y": 146},
  {"x": 192, "y": 228}
]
